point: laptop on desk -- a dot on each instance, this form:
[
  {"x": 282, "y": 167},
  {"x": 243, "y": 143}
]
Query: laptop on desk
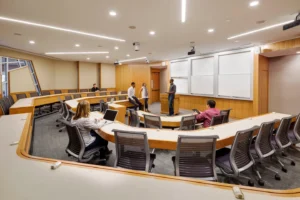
[{"x": 110, "y": 116}]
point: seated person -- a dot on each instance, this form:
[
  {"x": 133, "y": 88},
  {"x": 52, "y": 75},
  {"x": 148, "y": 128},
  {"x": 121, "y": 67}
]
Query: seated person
[
  {"x": 208, "y": 114},
  {"x": 94, "y": 88},
  {"x": 132, "y": 98},
  {"x": 87, "y": 126}
]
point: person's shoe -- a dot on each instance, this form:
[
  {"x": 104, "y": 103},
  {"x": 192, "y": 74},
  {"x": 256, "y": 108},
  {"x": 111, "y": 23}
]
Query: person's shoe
[{"x": 108, "y": 152}]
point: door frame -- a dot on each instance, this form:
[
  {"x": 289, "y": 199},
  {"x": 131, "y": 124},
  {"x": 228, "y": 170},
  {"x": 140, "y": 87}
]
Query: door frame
[{"x": 154, "y": 70}]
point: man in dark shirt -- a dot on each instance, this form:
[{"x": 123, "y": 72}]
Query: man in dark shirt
[
  {"x": 171, "y": 97},
  {"x": 94, "y": 88}
]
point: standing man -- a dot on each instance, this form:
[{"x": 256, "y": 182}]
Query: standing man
[
  {"x": 171, "y": 97},
  {"x": 132, "y": 99},
  {"x": 94, "y": 88}
]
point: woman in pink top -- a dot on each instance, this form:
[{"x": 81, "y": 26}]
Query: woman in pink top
[{"x": 207, "y": 115}]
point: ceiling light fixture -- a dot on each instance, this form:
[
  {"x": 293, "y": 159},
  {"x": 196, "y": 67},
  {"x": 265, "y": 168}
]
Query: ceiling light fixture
[
  {"x": 107, "y": 56},
  {"x": 88, "y": 58},
  {"x": 128, "y": 55},
  {"x": 112, "y": 13},
  {"x": 298, "y": 52},
  {"x": 254, "y": 3},
  {"x": 210, "y": 30},
  {"x": 128, "y": 60},
  {"x": 183, "y": 10},
  {"x": 32, "y": 42},
  {"x": 59, "y": 28},
  {"x": 259, "y": 30},
  {"x": 116, "y": 48},
  {"x": 77, "y": 45},
  {"x": 76, "y": 53},
  {"x": 152, "y": 33}
]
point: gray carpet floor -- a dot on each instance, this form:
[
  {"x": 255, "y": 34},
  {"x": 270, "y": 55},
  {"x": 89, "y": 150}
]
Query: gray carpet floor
[{"x": 49, "y": 143}]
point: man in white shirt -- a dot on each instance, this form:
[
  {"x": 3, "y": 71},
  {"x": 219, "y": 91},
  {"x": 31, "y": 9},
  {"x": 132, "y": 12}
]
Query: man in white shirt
[{"x": 132, "y": 99}]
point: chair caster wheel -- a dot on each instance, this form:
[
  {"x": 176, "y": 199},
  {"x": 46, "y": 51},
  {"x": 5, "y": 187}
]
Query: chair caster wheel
[
  {"x": 57, "y": 125},
  {"x": 261, "y": 182},
  {"x": 277, "y": 177},
  {"x": 251, "y": 183},
  {"x": 284, "y": 169},
  {"x": 60, "y": 131},
  {"x": 153, "y": 166},
  {"x": 293, "y": 163}
]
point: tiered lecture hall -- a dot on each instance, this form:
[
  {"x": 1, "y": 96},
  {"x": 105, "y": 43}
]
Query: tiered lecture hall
[{"x": 150, "y": 99}]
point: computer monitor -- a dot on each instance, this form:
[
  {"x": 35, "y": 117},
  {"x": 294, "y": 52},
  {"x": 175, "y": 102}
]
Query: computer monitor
[{"x": 110, "y": 115}]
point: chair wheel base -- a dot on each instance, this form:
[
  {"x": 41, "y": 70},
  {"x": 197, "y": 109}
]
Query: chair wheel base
[
  {"x": 284, "y": 169},
  {"x": 251, "y": 183},
  {"x": 293, "y": 163},
  {"x": 57, "y": 125},
  {"x": 261, "y": 182},
  {"x": 60, "y": 131},
  {"x": 277, "y": 177}
]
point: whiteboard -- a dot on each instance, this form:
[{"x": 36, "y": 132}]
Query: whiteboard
[
  {"x": 181, "y": 85},
  {"x": 237, "y": 63},
  {"x": 203, "y": 66},
  {"x": 179, "y": 68},
  {"x": 235, "y": 85},
  {"x": 202, "y": 85}
]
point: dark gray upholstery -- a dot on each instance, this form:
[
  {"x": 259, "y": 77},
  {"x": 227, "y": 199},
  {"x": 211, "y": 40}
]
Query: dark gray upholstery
[
  {"x": 122, "y": 97},
  {"x": 123, "y": 92},
  {"x": 188, "y": 123},
  {"x": 11, "y": 99},
  {"x": 84, "y": 90},
  {"x": 113, "y": 93},
  {"x": 217, "y": 120},
  {"x": 44, "y": 93},
  {"x": 103, "y": 89},
  {"x": 134, "y": 119},
  {"x": 195, "y": 157},
  {"x": 109, "y": 99},
  {"x": 294, "y": 134},
  {"x": 226, "y": 114},
  {"x": 103, "y": 106},
  {"x": 102, "y": 93},
  {"x": 21, "y": 96},
  {"x": 92, "y": 94},
  {"x": 3, "y": 107},
  {"x": 72, "y": 91},
  {"x": 34, "y": 94},
  {"x": 76, "y": 96},
  {"x": 68, "y": 97},
  {"x": 132, "y": 151},
  {"x": 57, "y": 91},
  {"x": 152, "y": 121}
]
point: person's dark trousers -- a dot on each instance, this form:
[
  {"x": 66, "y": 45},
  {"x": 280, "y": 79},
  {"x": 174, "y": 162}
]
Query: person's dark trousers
[
  {"x": 136, "y": 103},
  {"x": 146, "y": 103},
  {"x": 171, "y": 105},
  {"x": 97, "y": 143}
]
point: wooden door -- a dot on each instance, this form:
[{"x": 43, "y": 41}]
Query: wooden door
[{"x": 155, "y": 85}]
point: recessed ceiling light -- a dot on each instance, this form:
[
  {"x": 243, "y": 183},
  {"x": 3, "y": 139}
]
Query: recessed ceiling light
[
  {"x": 17, "y": 34},
  {"x": 259, "y": 30},
  {"x": 120, "y": 63},
  {"x": 116, "y": 48},
  {"x": 59, "y": 28},
  {"x": 152, "y": 33},
  {"x": 107, "y": 56},
  {"x": 183, "y": 10},
  {"x": 254, "y": 3},
  {"x": 236, "y": 41},
  {"x": 128, "y": 55},
  {"x": 32, "y": 42},
  {"x": 298, "y": 52},
  {"x": 88, "y": 58},
  {"x": 112, "y": 13},
  {"x": 76, "y": 53},
  {"x": 228, "y": 20},
  {"x": 128, "y": 60},
  {"x": 77, "y": 45},
  {"x": 132, "y": 27},
  {"x": 210, "y": 30}
]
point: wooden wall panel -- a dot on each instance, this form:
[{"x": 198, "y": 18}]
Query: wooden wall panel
[{"x": 283, "y": 45}]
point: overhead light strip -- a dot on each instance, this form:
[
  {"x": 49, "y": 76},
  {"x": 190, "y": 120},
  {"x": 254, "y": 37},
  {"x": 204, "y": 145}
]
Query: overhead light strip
[
  {"x": 259, "y": 30},
  {"x": 59, "y": 28},
  {"x": 76, "y": 53},
  {"x": 128, "y": 60},
  {"x": 183, "y": 10}
]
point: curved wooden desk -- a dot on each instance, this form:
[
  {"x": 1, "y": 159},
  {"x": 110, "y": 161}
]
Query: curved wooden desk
[{"x": 33, "y": 179}]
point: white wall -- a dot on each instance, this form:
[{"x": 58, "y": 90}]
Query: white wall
[
  {"x": 108, "y": 76},
  {"x": 20, "y": 80},
  {"x": 88, "y": 75},
  {"x": 65, "y": 75},
  {"x": 284, "y": 84}
]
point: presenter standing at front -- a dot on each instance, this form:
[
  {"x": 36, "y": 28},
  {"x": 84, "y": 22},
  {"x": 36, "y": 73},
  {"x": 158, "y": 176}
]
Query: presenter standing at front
[{"x": 171, "y": 97}]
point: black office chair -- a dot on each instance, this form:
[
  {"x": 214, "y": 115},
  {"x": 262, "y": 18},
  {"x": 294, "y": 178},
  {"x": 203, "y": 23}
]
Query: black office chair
[
  {"x": 57, "y": 91},
  {"x": 44, "y": 93},
  {"x": 4, "y": 108},
  {"x": 113, "y": 93},
  {"x": 294, "y": 134},
  {"x": 103, "y": 89},
  {"x": 33, "y": 94},
  {"x": 102, "y": 94},
  {"x": 217, "y": 120},
  {"x": 122, "y": 98},
  {"x": 92, "y": 94},
  {"x": 68, "y": 97},
  {"x": 76, "y": 96},
  {"x": 188, "y": 122},
  {"x": 134, "y": 119},
  {"x": 103, "y": 106},
  {"x": 21, "y": 96},
  {"x": 226, "y": 114},
  {"x": 76, "y": 146},
  {"x": 123, "y": 92},
  {"x": 132, "y": 151},
  {"x": 12, "y": 101},
  {"x": 152, "y": 121},
  {"x": 72, "y": 91},
  {"x": 84, "y": 90}
]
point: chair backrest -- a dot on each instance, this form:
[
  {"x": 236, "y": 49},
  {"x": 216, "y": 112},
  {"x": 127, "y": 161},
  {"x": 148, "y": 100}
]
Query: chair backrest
[
  {"x": 65, "y": 110},
  {"x": 21, "y": 96},
  {"x": 57, "y": 91},
  {"x": 84, "y": 90},
  {"x": 217, "y": 120},
  {"x": 132, "y": 150},
  {"x": 281, "y": 137},
  {"x": 76, "y": 145},
  {"x": 12, "y": 101},
  {"x": 34, "y": 94},
  {"x": 68, "y": 97},
  {"x": 103, "y": 89},
  {"x": 72, "y": 91},
  {"x": 263, "y": 143},
  {"x": 3, "y": 107},
  {"x": 123, "y": 92},
  {"x": 76, "y": 96},
  {"x": 45, "y": 93},
  {"x": 102, "y": 93},
  {"x": 122, "y": 97},
  {"x": 134, "y": 119},
  {"x": 103, "y": 106},
  {"x": 108, "y": 99},
  {"x": 152, "y": 121},
  {"x": 6, "y": 105},
  {"x": 226, "y": 114},
  {"x": 240, "y": 157},
  {"x": 195, "y": 157},
  {"x": 296, "y": 129},
  {"x": 113, "y": 93},
  {"x": 188, "y": 122},
  {"x": 91, "y": 94}
]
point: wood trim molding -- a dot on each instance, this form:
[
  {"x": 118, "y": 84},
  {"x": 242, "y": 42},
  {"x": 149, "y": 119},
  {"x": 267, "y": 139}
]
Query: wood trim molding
[{"x": 283, "y": 45}]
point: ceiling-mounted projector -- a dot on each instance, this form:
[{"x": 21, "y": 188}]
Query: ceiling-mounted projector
[
  {"x": 192, "y": 52},
  {"x": 292, "y": 24}
]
